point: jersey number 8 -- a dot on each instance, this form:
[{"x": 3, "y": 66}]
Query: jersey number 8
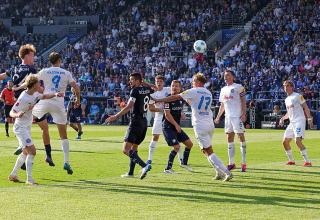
[{"x": 145, "y": 103}]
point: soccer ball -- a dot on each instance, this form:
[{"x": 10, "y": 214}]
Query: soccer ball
[{"x": 200, "y": 46}]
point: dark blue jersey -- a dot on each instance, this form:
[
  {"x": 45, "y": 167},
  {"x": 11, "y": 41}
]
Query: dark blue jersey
[
  {"x": 140, "y": 96},
  {"x": 20, "y": 74},
  {"x": 175, "y": 108}
]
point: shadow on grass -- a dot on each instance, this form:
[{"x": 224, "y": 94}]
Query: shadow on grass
[
  {"x": 197, "y": 195},
  {"x": 101, "y": 140},
  {"x": 275, "y": 170}
]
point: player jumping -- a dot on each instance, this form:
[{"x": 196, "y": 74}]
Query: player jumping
[
  {"x": 296, "y": 110},
  {"x": 233, "y": 103},
  {"x": 138, "y": 105},
  {"x": 172, "y": 130},
  {"x": 200, "y": 99},
  {"x": 56, "y": 79},
  {"x": 22, "y": 126}
]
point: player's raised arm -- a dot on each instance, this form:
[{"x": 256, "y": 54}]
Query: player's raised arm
[
  {"x": 169, "y": 98},
  {"x": 5, "y": 75}
]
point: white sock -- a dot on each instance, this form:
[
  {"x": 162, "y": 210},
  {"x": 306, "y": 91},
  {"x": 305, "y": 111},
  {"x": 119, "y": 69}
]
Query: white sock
[
  {"x": 29, "y": 164},
  {"x": 20, "y": 160},
  {"x": 217, "y": 163},
  {"x": 180, "y": 154},
  {"x": 243, "y": 149},
  {"x": 214, "y": 167},
  {"x": 152, "y": 148},
  {"x": 65, "y": 148},
  {"x": 289, "y": 155},
  {"x": 231, "y": 152},
  {"x": 305, "y": 155}
]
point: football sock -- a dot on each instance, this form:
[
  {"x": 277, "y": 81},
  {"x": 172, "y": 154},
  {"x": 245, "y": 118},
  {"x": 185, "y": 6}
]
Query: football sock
[
  {"x": 180, "y": 154},
  {"x": 132, "y": 165},
  {"x": 136, "y": 159},
  {"x": 152, "y": 148},
  {"x": 243, "y": 150},
  {"x": 20, "y": 160},
  {"x": 65, "y": 149},
  {"x": 48, "y": 150},
  {"x": 171, "y": 159},
  {"x": 29, "y": 164},
  {"x": 186, "y": 154},
  {"x": 289, "y": 155},
  {"x": 305, "y": 155},
  {"x": 231, "y": 151},
  {"x": 217, "y": 163},
  {"x": 7, "y": 127}
]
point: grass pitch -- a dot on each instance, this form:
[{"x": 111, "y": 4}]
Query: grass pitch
[{"x": 268, "y": 190}]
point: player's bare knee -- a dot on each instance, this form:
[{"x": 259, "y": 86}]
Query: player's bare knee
[
  {"x": 155, "y": 137},
  {"x": 176, "y": 148}
]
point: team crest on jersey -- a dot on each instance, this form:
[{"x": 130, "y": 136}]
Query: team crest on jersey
[
  {"x": 17, "y": 104},
  {"x": 28, "y": 141},
  {"x": 232, "y": 90},
  {"x": 166, "y": 105}
]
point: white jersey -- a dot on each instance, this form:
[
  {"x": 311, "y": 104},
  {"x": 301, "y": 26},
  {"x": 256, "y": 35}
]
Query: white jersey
[
  {"x": 25, "y": 104},
  {"x": 55, "y": 79},
  {"x": 160, "y": 95},
  {"x": 294, "y": 107},
  {"x": 230, "y": 97},
  {"x": 200, "y": 100}
]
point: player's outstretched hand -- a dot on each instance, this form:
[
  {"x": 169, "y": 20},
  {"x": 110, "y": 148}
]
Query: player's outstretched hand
[
  {"x": 60, "y": 94},
  {"x": 110, "y": 119},
  {"x": 217, "y": 121}
]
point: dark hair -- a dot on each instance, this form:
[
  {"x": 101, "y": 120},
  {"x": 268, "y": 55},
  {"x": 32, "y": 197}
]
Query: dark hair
[
  {"x": 177, "y": 81},
  {"x": 54, "y": 57},
  {"x": 161, "y": 77},
  {"x": 136, "y": 76}
]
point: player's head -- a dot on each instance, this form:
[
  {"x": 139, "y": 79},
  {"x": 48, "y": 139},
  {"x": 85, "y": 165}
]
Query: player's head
[
  {"x": 198, "y": 80},
  {"x": 55, "y": 59},
  {"x": 159, "y": 81},
  {"x": 175, "y": 87},
  {"x": 26, "y": 53},
  {"x": 9, "y": 84},
  {"x": 135, "y": 79},
  {"x": 288, "y": 86},
  {"x": 32, "y": 82},
  {"x": 229, "y": 77}
]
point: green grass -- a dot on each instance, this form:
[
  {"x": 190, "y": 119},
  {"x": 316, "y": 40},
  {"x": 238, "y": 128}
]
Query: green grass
[{"x": 269, "y": 190}]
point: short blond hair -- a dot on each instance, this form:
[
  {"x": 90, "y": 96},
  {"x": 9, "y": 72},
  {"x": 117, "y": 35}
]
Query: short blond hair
[
  {"x": 31, "y": 81},
  {"x": 200, "y": 78},
  {"x": 26, "y": 49},
  {"x": 289, "y": 82}
]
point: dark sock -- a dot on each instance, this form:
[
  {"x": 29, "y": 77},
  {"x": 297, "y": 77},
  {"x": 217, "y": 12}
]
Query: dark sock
[
  {"x": 136, "y": 159},
  {"x": 48, "y": 150},
  {"x": 172, "y": 155},
  {"x": 186, "y": 154},
  {"x": 132, "y": 165},
  {"x": 7, "y": 127}
]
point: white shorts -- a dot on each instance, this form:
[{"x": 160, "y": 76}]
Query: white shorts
[
  {"x": 295, "y": 129},
  {"x": 157, "y": 126},
  {"x": 233, "y": 124},
  {"x": 204, "y": 135},
  {"x": 23, "y": 135},
  {"x": 54, "y": 107}
]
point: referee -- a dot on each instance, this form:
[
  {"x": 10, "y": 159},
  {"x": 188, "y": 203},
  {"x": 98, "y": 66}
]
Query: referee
[{"x": 7, "y": 96}]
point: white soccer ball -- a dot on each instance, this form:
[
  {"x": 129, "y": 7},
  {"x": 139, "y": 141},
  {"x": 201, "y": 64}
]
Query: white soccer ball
[{"x": 200, "y": 46}]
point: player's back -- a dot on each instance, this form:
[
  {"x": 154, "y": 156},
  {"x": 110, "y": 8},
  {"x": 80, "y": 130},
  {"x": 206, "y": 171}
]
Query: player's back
[
  {"x": 200, "y": 99},
  {"x": 55, "y": 79},
  {"x": 141, "y": 94}
]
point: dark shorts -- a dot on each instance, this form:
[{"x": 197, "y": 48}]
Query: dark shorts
[
  {"x": 173, "y": 137},
  {"x": 7, "y": 109},
  {"x": 45, "y": 117},
  {"x": 136, "y": 131},
  {"x": 75, "y": 116}
]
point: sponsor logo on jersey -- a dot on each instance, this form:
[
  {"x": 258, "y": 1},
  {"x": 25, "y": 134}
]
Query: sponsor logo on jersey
[{"x": 28, "y": 141}]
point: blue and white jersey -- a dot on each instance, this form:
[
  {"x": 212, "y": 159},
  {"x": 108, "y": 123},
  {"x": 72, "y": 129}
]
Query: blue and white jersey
[
  {"x": 55, "y": 79},
  {"x": 200, "y": 100}
]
